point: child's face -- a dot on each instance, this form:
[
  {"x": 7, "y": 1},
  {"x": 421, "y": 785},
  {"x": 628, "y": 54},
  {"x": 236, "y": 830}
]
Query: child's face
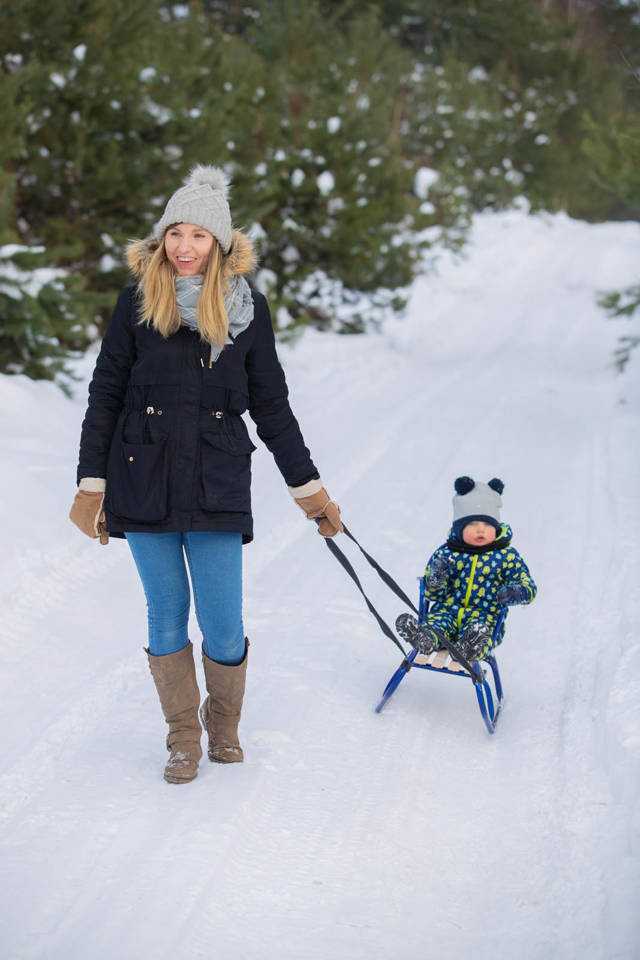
[{"x": 478, "y": 533}]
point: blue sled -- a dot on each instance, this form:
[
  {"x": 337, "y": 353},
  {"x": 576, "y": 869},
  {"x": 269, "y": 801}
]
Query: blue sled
[{"x": 490, "y": 703}]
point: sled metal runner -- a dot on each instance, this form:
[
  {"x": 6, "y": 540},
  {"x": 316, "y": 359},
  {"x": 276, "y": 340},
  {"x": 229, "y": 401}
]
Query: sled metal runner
[{"x": 489, "y": 701}]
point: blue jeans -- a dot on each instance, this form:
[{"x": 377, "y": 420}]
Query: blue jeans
[{"x": 215, "y": 565}]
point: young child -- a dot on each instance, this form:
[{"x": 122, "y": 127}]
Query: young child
[{"x": 470, "y": 577}]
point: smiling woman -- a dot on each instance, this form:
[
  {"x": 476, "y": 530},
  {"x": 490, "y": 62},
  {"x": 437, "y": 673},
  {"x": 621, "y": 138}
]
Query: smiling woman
[
  {"x": 187, "y": 247},
  {"x": 165, "y": 456}
]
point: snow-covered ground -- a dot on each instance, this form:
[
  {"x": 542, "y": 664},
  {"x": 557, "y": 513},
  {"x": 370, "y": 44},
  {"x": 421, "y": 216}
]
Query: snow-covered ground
[{"x": 345, "y": 834}]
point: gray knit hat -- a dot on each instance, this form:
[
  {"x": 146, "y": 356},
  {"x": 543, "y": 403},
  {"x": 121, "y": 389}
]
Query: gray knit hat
[
  {"x": 202, "y": 200},
  {"x": 477, "y": 501}
]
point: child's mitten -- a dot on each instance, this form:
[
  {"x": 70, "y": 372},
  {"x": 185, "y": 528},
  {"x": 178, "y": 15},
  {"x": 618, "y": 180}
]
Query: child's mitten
[
  {"x": 510, "y": 595},
  {"x": 438, "y": 574}
]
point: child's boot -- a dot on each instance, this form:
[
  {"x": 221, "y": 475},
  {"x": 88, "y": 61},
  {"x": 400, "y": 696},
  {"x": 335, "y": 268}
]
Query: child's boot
[
  {"x": 424, "y": 637},
  {"x": 475, "y": 640}
]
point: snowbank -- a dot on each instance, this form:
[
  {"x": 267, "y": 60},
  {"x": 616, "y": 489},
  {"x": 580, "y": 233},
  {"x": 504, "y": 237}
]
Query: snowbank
[{"x": 346, "y": 834}]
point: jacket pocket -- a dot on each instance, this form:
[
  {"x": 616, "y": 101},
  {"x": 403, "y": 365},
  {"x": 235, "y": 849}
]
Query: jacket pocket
[
  {"x": 137, "y": 481},
  {"x": 225, "y": 472}
]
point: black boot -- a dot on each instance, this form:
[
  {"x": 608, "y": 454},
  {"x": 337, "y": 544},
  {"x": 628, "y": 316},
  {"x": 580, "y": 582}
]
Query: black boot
[
  {"x": 475, "y": 640},
  {"x": 424, "y": 637}
]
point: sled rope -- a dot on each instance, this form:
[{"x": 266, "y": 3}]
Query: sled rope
[
  {"x": 388, "y": 580},
  {"x": 384, "y": 576},
  {"x": 382, "y": 573}
]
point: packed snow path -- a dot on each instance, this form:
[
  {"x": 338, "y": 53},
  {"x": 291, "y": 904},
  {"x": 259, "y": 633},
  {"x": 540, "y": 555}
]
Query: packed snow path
[{"x": 345, "y": 834}]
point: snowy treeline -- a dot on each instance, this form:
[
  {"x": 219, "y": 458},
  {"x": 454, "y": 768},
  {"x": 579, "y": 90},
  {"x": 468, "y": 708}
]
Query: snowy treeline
[{"x": 357, "y": 137}]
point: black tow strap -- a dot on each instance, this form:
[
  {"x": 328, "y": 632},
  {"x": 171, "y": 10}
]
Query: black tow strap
[
  {"x": 384, "y": 576},
  {"x": 399, "y": 592}
]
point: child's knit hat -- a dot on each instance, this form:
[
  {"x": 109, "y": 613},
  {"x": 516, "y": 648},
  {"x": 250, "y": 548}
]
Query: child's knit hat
[
  {"x": 476, "y": 501},
  {"x": 202, "y": 200}
]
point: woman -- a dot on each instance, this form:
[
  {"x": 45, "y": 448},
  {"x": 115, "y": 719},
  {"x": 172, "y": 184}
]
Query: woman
[{"x": 165, "y": 456}]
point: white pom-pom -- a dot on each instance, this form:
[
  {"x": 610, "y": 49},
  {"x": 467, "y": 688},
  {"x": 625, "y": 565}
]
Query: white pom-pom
[{"x": 214, "y": 176}]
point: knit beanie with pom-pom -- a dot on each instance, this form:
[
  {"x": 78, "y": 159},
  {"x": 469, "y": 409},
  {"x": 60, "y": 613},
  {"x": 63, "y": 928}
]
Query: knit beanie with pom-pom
[
  {"x": 477, "y": 501},
  {"x": 201, "y": 200}
]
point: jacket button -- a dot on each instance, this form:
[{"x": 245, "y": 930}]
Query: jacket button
[
  {"x": 131, "y": 459},
  {"x": 159, "y": 412}
]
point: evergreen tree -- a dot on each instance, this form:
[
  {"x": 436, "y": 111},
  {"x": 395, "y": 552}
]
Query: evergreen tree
[
  {"x": 98, "y": 91},
  {"x": 39, "y": 330},
  {"x": 119, "y": 103},
  {"x": 613, "y": 152},
  {"x": 37, "y": 303},
  {"x": 323, "y": 174},
  {"x": 503, "y": 89},
  {"x": 355, "y": 136}
]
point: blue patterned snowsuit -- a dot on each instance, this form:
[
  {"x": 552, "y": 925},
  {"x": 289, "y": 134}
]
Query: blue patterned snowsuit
[{"x": 472, "y": 584}]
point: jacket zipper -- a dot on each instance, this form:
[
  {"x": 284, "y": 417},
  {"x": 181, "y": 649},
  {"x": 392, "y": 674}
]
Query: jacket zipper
[{"x": 465, "y": 602}]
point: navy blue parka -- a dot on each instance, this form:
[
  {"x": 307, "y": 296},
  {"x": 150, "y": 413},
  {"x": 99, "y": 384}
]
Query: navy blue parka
[{"x": 165, "y": 428}]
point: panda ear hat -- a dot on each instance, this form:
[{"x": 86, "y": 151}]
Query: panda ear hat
[
  {"x": 477, "y": 501},
  {"x": 464, "y": 485}
]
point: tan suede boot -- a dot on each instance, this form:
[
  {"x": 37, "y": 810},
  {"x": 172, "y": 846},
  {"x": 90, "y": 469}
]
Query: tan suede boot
[
  {"x": 220, "y": 712},
  {"x": 174, "y": 675}
]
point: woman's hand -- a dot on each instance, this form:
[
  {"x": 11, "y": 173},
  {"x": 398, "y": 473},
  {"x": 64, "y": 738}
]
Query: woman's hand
[
  {"x": 87, "y": 514},
  {"x": 319, "y": 506}
]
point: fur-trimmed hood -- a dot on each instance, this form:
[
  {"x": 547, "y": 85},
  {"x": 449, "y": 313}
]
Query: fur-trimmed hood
[{"x": 240, "y": 260}]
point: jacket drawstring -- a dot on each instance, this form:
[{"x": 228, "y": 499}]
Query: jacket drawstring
[{"x": 210, "y": 358}]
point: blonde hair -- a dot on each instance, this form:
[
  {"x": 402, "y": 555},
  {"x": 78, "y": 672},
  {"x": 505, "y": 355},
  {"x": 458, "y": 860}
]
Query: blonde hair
[{"x": 159, "y": 307}]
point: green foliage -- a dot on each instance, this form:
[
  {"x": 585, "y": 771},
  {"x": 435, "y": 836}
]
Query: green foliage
[
  {"x": 623, "y": 303},
  {"x": 123, "y": 102},
  {"x": 612, "y": 146},
  {"x": 613, "y": 149},
  {"x": 87, "y": 160},
  {"x": 93, "y": 151},
  {"x": 325, "y": 176},
  {"x": 38, "y": 328},
  {"x": 325, "y": 114},
  {"x": 519, "y": 82}
]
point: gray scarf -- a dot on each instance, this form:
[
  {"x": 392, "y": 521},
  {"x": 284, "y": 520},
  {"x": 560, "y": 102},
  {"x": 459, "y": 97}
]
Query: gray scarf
[{"x": 237, "y": 300}]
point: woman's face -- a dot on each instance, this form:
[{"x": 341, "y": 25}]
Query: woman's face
[{"x": 187, "y": 247}]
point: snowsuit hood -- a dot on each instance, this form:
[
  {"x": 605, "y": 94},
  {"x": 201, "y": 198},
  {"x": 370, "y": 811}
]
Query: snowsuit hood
[{"x": 457, "y": 544}]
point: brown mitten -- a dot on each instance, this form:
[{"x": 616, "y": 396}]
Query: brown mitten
[
  {"x": 319, "y": 506},
  {"x": 87, "y": 514}
]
